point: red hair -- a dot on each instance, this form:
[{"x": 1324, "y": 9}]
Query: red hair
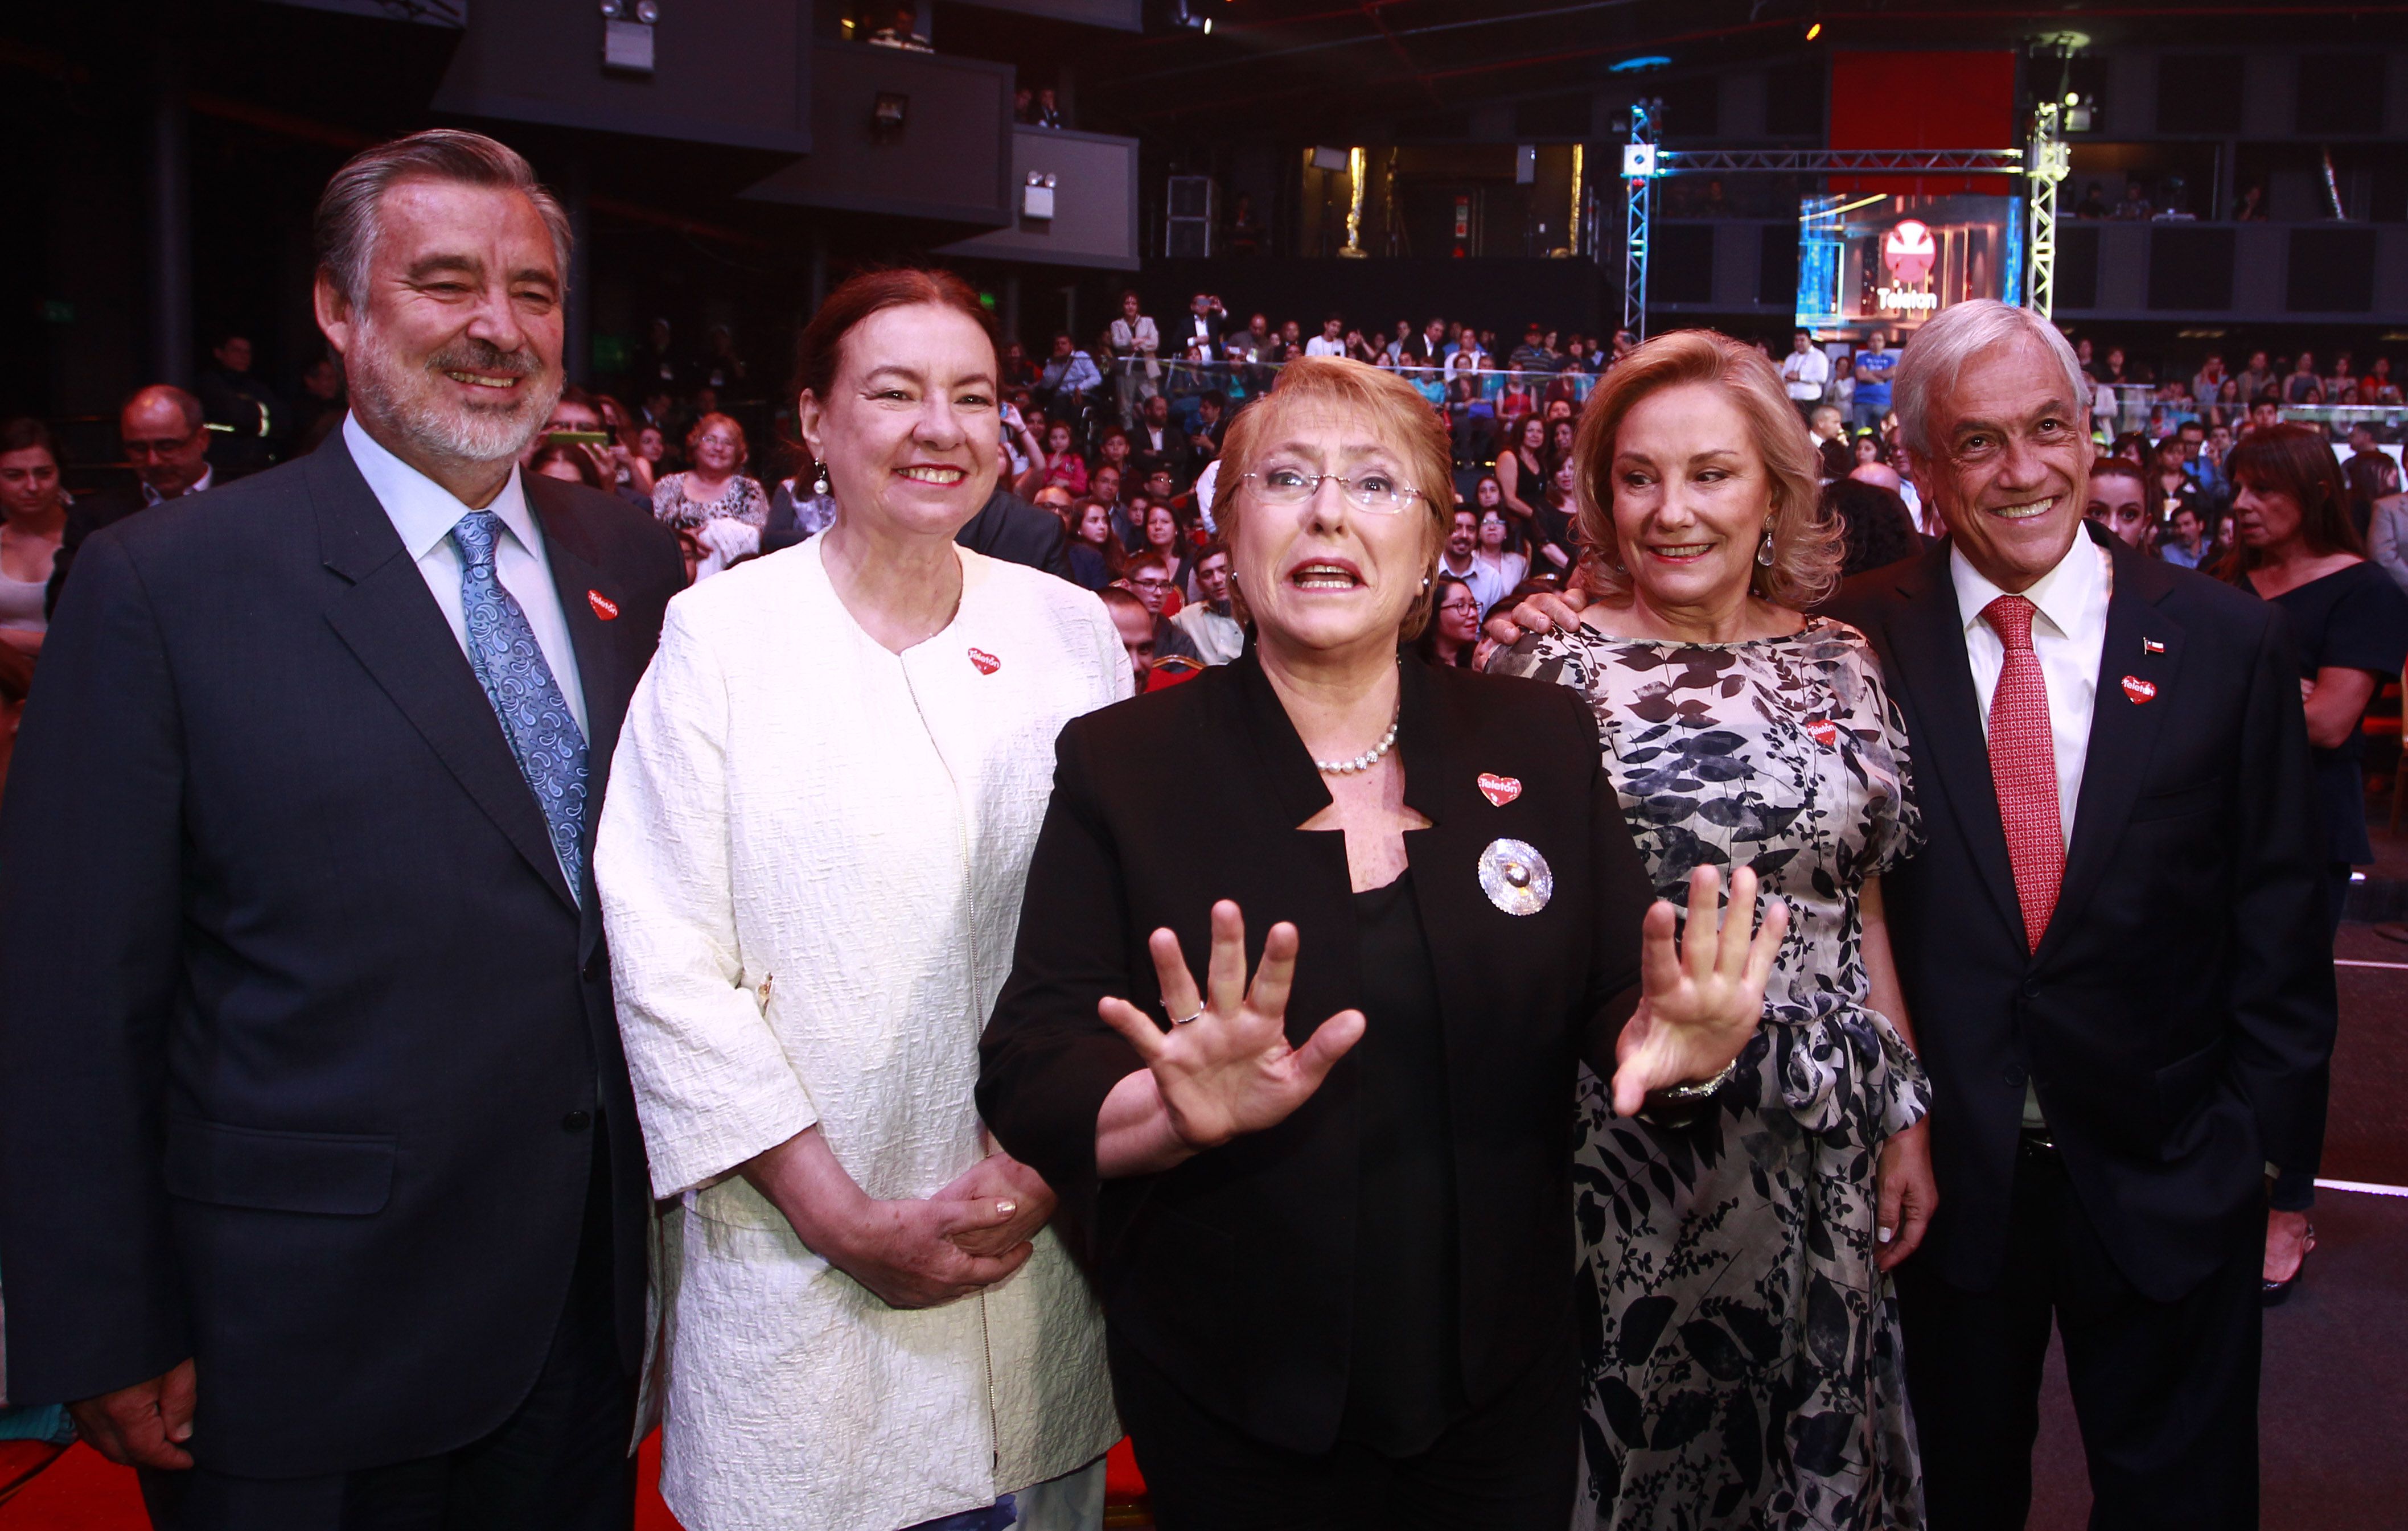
[{"x": 819, "y": 353}]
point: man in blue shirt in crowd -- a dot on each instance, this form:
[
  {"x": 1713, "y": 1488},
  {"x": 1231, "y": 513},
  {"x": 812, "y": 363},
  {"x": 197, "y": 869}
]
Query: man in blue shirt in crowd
[{"x": 1874, "y": 365}]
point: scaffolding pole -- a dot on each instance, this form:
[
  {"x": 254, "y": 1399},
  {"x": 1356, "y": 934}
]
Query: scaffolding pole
[
  {"x": 2049, "y": 162},
  {"x": 1639, "y": 185}
]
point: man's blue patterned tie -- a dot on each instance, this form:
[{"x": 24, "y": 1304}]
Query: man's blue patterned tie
[{"x": 535, "y": 716}]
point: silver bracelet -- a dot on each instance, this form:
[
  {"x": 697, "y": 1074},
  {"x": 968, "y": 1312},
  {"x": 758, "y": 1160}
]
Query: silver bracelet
[{"x": 1703, "y": 1088}]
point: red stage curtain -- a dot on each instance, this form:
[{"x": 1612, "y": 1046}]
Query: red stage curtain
[{"x": 1924, "y": 100}]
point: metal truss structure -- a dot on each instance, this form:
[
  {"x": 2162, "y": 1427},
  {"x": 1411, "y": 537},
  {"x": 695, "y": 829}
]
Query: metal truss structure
[
  {"x": 1731, "y": 162},
  {"x": 1644, "y": 164},
  {"x": 1639, "y": 181},
  {"x": 2049, "y": 163}
]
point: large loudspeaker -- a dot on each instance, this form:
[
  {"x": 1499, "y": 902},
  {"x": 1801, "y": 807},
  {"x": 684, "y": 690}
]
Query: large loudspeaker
[{"x": 1187, "y": 231}]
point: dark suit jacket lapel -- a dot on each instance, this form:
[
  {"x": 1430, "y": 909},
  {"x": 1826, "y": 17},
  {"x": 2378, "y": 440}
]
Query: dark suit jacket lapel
[
  {"x": 1951, "y": 757},
  {"x": 2123, "y": 727},
  {"x": 394, "y": 627},
  {"x": 605, "y": 672}
]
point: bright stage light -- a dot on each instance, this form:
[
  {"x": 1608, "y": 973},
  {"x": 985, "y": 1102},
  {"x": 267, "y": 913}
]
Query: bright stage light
[
  {"x": 1814, "y": 31},
  {"x": 1642, "y": 60}
]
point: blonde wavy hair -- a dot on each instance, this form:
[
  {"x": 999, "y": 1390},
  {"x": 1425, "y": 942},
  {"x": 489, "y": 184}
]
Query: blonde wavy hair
[
  {"x": 1397, "y": 414},
  {"x": 1806, "y": 550}
]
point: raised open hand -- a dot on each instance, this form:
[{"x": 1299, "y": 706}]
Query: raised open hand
[
  {"x": 1225, "y": 1067},
  {"x": 1700, "y": 997}
]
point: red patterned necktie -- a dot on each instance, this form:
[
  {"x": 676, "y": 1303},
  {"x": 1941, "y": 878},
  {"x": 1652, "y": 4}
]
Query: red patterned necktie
[{"x": 2022, "y": 767}]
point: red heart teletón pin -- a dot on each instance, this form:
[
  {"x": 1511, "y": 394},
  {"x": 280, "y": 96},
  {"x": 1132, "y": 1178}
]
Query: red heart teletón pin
[
  {"x": 1825, "y": 732},
  {"x": 604, "y": 607},
  {"x": 2138, "y": 690},
  {"x": 1499, "y": 790},
  {"x": 987, "y": 664}
]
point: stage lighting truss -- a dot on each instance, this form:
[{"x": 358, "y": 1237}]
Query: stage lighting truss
[{"x": 1644, "y": 162}]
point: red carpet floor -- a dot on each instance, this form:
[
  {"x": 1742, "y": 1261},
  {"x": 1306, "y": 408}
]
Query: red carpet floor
[{"x": 84, "y": 1491}]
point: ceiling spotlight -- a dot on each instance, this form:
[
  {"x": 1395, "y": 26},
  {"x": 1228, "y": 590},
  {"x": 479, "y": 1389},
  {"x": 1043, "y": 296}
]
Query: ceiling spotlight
[{"x": 1814, "y": 31}]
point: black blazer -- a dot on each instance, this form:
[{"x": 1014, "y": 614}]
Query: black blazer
[
  {"x": 301, "y": 1031},
  {"x": 1234, "y": 1272},
  {"x": 2177, "y": 1019}
]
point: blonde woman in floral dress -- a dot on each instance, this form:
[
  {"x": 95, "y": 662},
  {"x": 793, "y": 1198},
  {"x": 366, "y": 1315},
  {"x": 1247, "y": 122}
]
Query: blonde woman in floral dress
[{"x": 1739, "y": 1334}]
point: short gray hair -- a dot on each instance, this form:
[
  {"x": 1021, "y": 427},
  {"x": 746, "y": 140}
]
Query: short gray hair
[
  {"x": 1942, "y": 347},
  {"x": 345, "y": 220}
]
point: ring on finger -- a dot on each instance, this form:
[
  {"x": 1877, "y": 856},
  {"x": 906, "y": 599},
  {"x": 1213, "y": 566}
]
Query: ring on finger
[{"x": 1181, "y": 1020}]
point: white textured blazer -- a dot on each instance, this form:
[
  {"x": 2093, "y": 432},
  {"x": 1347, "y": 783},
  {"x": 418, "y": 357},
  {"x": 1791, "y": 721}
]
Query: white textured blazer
[{"x": 811, "y": 865}]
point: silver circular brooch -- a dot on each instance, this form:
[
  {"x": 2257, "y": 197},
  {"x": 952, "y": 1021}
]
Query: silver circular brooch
[{"x": 1516, "y": 877}]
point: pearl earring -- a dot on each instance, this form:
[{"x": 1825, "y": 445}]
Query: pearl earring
[{"x": 820, "y": 484}]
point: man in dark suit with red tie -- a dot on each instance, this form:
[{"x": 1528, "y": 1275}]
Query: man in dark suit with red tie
[
  {"x": 2114, "y": 943},
  {"x": 321, "y": 1196}
]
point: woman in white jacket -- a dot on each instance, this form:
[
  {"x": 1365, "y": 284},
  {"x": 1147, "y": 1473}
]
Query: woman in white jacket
[{"x": 810, "y": 864}]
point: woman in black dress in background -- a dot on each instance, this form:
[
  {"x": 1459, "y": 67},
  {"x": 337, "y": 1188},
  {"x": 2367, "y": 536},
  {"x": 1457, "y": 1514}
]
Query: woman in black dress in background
[{"x": 2294, "y": 545}]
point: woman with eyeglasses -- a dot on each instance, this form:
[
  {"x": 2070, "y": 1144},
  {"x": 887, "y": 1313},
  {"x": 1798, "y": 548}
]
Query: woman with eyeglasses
[
  {"x": 713, "y": 499},
  {"x": 1454, "y": 631},
  {"x": 1300, "y": 1062}
]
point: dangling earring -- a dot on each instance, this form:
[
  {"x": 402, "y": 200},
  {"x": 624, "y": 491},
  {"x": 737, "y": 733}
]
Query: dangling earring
[
  {"x": 1764, "y": 548},
  {"x": 820, "y": 484}
]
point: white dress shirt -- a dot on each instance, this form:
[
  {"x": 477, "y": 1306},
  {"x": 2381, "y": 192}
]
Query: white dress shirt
[
  {"x": 150, "y": 497},
  {"x": 424, "y": 512},
  {"x": 2069, "y": 636},
  {"x": 2068, "y": 633}
]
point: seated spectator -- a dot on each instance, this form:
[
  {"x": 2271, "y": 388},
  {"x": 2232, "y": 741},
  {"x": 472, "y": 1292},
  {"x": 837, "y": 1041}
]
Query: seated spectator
[
  {"x": 2170, "y": 486},
  {"x": 1522, "y": 471},
  {"x": 1875, "y": 530},
  {"x": 1148, "y": 577},
  {"x": 578, "y": 414},
  {"x": 167, "y": 441},
  {"x": 724, "y": 508},
  {"x": 572, "y": 463},
  {"x": 2135, "y": 204},
  {"x": 1458, "y": 556},
  {"x": 903, "y": 31},
  {"x": 1500, "y": 567},
  {"x": 2118, "y": 501},
  {"x": 322, "y": 407},
  {"x": 1211, "y": 621},
  {"x": 1164, "y": 541},
  {"x": 1827, "y": 426},
  {"x": 1554, "y": 535},
  {"x": 2093, "y": 203},
  {"x": 2304, "y": 387},
  {"x": 2371, "y": 473},
  {"x": 1135, "y": 625},
  {"x": 2189, "y": 547},
  {"x": 1158, "y": 443},
  {"x": 32, "y": 520},
  {"x": 1057, "y": 466},
  {"x": 1454, "y": 630},
  {"x": 1049, "y": 114},
  {"x": 1097, "y": 556}
]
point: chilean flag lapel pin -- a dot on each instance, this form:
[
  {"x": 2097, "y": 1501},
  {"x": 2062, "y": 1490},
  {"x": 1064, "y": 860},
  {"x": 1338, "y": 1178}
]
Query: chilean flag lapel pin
[
  {"x": 604, "y": 607},
  {"x": 2151, "y": 646}
]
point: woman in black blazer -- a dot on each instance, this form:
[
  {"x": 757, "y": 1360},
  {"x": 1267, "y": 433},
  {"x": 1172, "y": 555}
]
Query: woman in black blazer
[{"x": 1336, "y": 1260}]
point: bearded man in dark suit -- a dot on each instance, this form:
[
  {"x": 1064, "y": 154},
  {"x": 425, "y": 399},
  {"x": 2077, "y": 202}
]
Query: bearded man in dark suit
[{"x": 321, "y": 1197}]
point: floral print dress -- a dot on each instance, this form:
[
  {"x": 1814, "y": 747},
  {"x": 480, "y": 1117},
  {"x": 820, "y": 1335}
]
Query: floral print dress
[{"x": 1741, "y": 1349}]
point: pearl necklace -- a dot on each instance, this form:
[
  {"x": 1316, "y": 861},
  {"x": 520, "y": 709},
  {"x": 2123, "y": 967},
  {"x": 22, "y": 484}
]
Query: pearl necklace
[{"x": 1369, "y": 758}]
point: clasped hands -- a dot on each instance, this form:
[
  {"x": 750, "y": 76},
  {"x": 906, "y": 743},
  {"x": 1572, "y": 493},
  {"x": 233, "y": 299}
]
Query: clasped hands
[
  {"x": 1225, "y": 1067},
  {"x": 910, "y": 1253}
]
